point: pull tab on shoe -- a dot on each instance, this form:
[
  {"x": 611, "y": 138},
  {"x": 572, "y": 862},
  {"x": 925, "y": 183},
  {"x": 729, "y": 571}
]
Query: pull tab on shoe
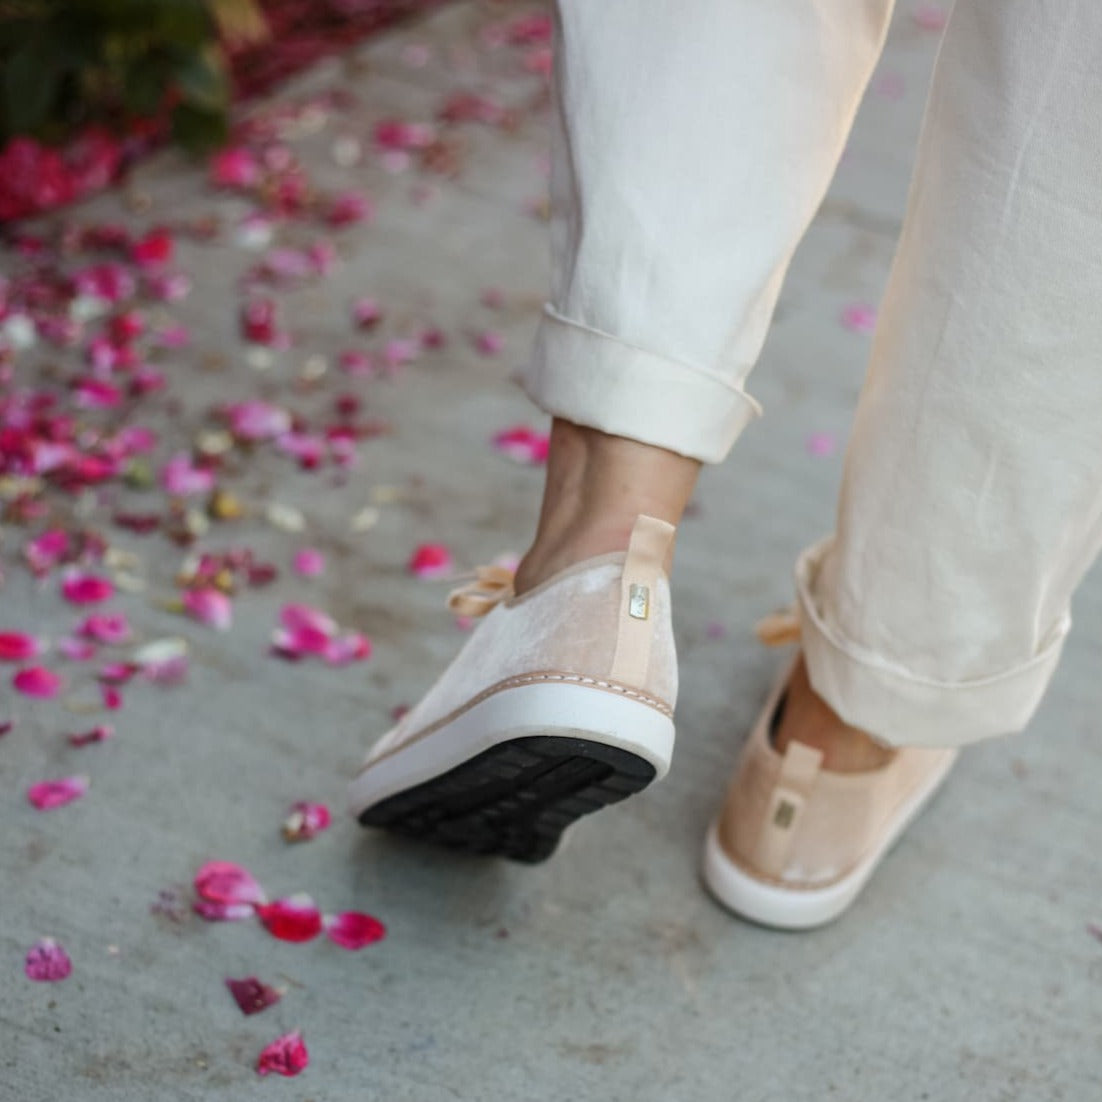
[
  {"x": 644, "y": 565},
  {"x": 799, "y": 768}
]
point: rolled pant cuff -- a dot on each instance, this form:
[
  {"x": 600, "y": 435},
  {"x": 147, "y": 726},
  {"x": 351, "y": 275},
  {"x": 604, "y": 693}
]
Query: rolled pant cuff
[
  {"x": 902, "y": 709},
  {"x": 595, "y": 379}
]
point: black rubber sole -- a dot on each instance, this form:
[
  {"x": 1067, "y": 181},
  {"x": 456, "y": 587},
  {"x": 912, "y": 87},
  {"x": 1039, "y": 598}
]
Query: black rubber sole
[{"x": 515, "y": 799}]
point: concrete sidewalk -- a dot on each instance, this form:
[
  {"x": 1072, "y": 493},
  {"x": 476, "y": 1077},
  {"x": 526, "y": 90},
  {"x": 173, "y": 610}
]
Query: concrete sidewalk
[{"x": 966, "y": 972}]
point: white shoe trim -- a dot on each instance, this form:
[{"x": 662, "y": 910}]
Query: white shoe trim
[
  {"x": 802, "y": 908},
  {"x": 558, "y": 708}
]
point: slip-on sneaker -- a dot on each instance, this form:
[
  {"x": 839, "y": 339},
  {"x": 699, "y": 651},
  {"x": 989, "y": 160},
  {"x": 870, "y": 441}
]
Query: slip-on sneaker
[
  {"x": 795, "y": 843},
  {"x": 560, "y": 703}
]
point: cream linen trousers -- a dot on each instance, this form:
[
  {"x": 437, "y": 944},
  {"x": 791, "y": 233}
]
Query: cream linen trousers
[{"x": 694, "y": 142}]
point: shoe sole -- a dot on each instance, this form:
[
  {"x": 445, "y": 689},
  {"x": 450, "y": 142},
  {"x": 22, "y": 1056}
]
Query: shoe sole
[
  {"x": 783, "y": 908},
  {"x": 509, "y": 775}
]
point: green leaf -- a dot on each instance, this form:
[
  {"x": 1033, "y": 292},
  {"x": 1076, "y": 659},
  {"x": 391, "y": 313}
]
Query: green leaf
[
  {"x": 197, "y": 129},
  {"x": 202, "y": 80},
  {"x": 32, "y": 81}
]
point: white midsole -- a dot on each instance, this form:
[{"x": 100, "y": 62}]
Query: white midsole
[
  {"x": 804, "y": 908},
  {"x": 546, "y": 708}
]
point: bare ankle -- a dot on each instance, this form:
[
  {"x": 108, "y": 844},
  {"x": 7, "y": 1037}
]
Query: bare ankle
[
  {"x": 807, "y": 718},
  {"x": 596, "y": 486}
]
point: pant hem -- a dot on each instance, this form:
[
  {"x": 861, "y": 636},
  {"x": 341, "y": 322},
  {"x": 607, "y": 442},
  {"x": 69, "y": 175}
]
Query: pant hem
[
  {"x": 900, "y": 708},
  {"x": 595, "y": 379}
]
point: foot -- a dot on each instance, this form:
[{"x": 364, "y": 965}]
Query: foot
[
  {"x": 798, "y": 838},
  {"x": 560, "y": 703}
]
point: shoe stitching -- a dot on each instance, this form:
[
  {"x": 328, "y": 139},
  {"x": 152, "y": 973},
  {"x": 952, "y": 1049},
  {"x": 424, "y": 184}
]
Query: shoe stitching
[{"x": 514, "y": 682}]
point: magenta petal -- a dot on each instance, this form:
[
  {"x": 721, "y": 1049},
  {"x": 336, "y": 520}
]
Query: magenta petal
[
  {"x": 47, "y": 962},
  {"x": 222, "y": 912},
  {"x": 100, "y": 733},
  {"x": 209, "y": 606},
  {"x": 251, "y": 995},
  {"x": 286, "y": 1055},
  {"x": 309, "y": 562},
  {"x": 46, "y": 795},
  {"x": 225, "y": 882},
  {"x": 306, "y": 821},
  {"x": 37, "y": 681},
  {"x": 256, "y": 420},
  {"x": 353, "y": 647},
  {"x": 523, "y": 445},
  {"x": 353, "y": 929},
  {"x": 296, "y": 918},
  {"x": 431, "y": 560},
  {"x": 86, "y": 589},
  {"x": 15, "y": 646}
]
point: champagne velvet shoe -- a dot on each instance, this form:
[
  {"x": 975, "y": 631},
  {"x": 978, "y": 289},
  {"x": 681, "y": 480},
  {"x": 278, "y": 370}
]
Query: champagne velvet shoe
[
  {"x": 795, "y": 843},
  {"x": 560, "y": 703}
]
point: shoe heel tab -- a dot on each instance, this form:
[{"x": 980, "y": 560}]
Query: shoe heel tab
[{"x": 648, "y": 558}]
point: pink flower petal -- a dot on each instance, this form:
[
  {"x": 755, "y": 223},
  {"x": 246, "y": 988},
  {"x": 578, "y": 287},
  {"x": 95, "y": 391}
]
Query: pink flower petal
[
  {"x": 181, "y": 477},
  {"x": 15, "y": 646},
  {"x": 76, "y": 650},
  {"x": 43, "y": 552},
  {"x": 111, "y": 696},
  {"x": 295, "y": 918},
  {"x": 821, "y": 444},
  {"x": 431, "y": 560},
  {"x": 80, "y": 588},
  {"x": 349, "y": 208},
  {"x": 209, "y": 606},
  {"x": 236, "y": 167},
  {"x": 523, "y": 445},
  {"x": 47, "y": 962},
  {"x": 256, "y": 420},
  {"x": 352, "y": 647},
  {"x": 286, "y": 1055},
  {"x": 46, "y": 795},
  {"x": 306, "y": 821},
  {"x": 309, "y": 562},
  {"x": 225, "y": 882},
  {"x": 251, "y": 995},
  {"x": 859, "y": 317},
  {"x": 311, "y": 628},
  {"x": 366, "y": 312},
  {"x": 489, "y": 342},
  {"x": 111, "y": 628},
  {"x": 353, "y": 929},
  {"x": 96, "y": 394},
  {"x": 931, "y": 17},
  {"x": 222, "y": 912},
  {"x": 100, "y": 733},
  {"x": 37, "y": 681}
]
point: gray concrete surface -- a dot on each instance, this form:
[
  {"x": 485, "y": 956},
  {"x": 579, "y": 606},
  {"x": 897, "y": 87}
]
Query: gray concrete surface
[{"x": 965, "y": 973}]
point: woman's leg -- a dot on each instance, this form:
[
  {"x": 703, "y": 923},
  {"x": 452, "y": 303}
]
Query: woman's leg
[
  {"x": 692, "y": 146},
  {"x": 972, "y": 498}
]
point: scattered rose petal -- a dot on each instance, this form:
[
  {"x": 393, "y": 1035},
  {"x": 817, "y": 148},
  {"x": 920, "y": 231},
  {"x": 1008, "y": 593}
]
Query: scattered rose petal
[
  {"x": 111, "y": 696},
  {"x": 351, "y": 647},
  {"x": 489, "y": 342},
  {"x": 76, "y": 650},
  {"x": 46, "y": 795},
  {"x": 859, "y": 317},
  {"x": 822, "y": 444},
  {"x": 225, "y": 882},
  {"x": 353, "y": 929},
  {"x": 431, "y": 560},
  {"x": 251, "y": 995},
  {"x": 37, "y": 681},
  {"x": 111, "y": 628},
  {"x": 286, "y": 1055},
  {"x": 295, "y": 918},
  {"x": 154, "y": 249},
  {"x": 100, "y": 733},
  {"x": 209, "y": 606},
  {"x": 366, "y": 312},
  {"x": 80, "y": 588},
  {"x": 523, "y": 445},
  {"x": 256, "y": 420},
  {"x": 15, "y": 646},
  {"x": 306, "y": 821},
  {"x": 309, "y": 562},
  {"x": 181, "y": 477},
  {"x": 931, "y": 17},
  {"x": 47, "y": 962},
  {"x": 222, "y": 912},
  {"x": 43, "y": 552}
]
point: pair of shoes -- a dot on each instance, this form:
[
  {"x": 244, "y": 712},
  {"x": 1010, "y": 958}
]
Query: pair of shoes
[{"x": 561, "y": 702}]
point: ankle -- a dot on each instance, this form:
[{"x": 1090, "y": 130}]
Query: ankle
[
  {"x": 808, "y": 719},
  {"x": 596, "y": 486}
]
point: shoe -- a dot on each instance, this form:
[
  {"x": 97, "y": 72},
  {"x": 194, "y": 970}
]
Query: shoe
[
  {"x": 795, "y": 843},
  {"x": 560, "y": 703}
]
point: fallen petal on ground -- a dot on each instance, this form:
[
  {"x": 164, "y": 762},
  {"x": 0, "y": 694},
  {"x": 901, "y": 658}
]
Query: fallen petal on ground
[
  {"x": 46, "y": 795},
  {"x": 286, "y": 1055},
  {"x": 353, "y": 929},
  {"x": 47, "y": 962}
]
